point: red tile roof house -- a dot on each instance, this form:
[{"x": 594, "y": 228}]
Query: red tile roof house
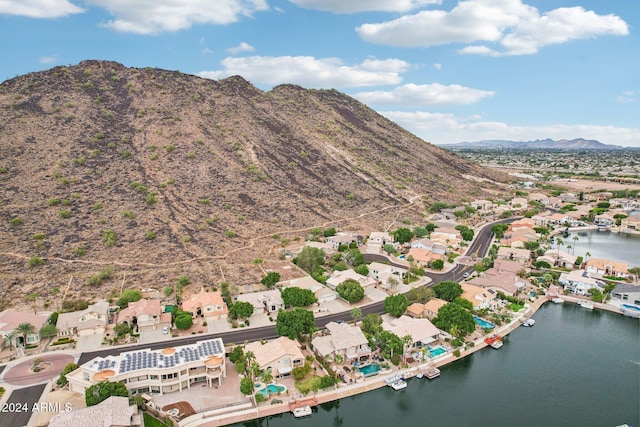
[
  {"x": 9, "y": 321},
  {"x": 209, "y": 305},
  {"x": 146, "y": 314}
]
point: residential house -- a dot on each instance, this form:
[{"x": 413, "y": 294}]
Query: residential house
[
  {"x": 338, "y": 277},
  {"x": 480, "y": 297},
  {"x": 268, "y": 302},
  {"x": 626, "y": 293},
  {"x": 430, "y": 245},
  {"x": 422, "y": 331},
  {"x": 605, "y": 267},
  {"x": 552, "y": 220},
  {"x": 423, "y": 257},
  {"x": 503, "y": 276},
  {"x": 342, "y": 239},
  {"x": 379, "y": 238},
  {"x": 604, "y": 220},
  {"x": 383, "y": 273},
  {"x": 601, "y": 196},
  {"x": 482, "y": 205},
  {"x": 321, "y": 292},
  {"x": 630, "y": 224},
  {"x": 432, "y": 306},
  {"x": 579, "y": 282},
  {"x": 90, "y": 321},
  {"x": 449, "y": 237},
  {"x": 343, "y": 340},
  {"x": 326, "y": 247},
  {"x": 561, "y": 258},
  {"x": 538, "y": 197},
  {"x": 625, "y": 204},
  {"x": 518, "y": 203},
  {"x": 115, "y": 411},
  {"x": 156, "y": 371},
  {"x": 145, "y": 315},
  {"x": 521, "y": 256},
  {"x": 9, "y": 321},
  {"x": 279, "y": 356},
  {"x": 209, "y": 305},
  {"x": 569, "y": 198},
  {"x": 416, "y": 310}
]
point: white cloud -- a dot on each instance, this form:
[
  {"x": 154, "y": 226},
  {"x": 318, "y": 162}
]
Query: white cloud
[
  {"x": 311, "y": 72},
  {"x": 242, "y": 47},
  {"x": 628, "y": 97},
  {"x": 355, "y": 6},
  {"x": 39, "y": 8},
  {"x": 515, "y": 28},
  {"x": 156, "y": 16},
  {"x": 437, "y": 66},
  {"x": 48, "y": 59},
  {"x": 424, "y": 95},
  {"x": 441, "y": 128},
  {"x": 206, "y": 51}
]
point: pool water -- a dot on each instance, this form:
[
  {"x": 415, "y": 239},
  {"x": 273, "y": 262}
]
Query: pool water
[
  {"x": 483, "y": 323},
  {"x": 437, "y": 351},
  {"x": 272, "y": 389},
  {"x": 370, "y": 370}
]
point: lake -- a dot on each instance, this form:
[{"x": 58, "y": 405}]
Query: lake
[
  {"x": 573, "y": 368},
  {"x": 605, "y": 244}
]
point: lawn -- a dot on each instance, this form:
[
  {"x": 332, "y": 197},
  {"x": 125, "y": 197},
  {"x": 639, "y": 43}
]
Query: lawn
[
  {"x": 515, "y": 307},
  {"x": 306, "y": 385},
  {"x": 150, "y": 421}
]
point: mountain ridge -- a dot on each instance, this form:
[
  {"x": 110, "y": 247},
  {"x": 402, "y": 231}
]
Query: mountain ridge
[
  {"x": 159, "y": 174},
  {"x": 548, "y": 143}
]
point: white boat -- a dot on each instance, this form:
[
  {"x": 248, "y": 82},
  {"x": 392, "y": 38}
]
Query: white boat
[
  {"x": 497, "y": 344},
  {"x": 302, "y": 411},
  {"x": 529, "y": 323},
  {"x": 557, "y": 300},
  {"x": 586, "y": 304},
  {"x": 419, "y": 375},
  {"x": 399, "y": 385}
]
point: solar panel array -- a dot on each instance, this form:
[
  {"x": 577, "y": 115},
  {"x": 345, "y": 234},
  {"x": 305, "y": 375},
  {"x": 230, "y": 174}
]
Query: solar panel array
[
  {"x": 138, "y": 360},
  {"x": 105, "y": 364}
]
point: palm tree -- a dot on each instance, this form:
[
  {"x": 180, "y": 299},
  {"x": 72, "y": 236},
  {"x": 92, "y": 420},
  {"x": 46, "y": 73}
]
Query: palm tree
[
  {"x": 266, "y": 376},
  {"x": 575, "y": 240},
  {"x": 356, "y": 313},
  {"x": 588, "y": 254},
  {"x": 407, "y": 340},
  {"x": 25, "y": 328},
  {"x": 9, "y": 337}
]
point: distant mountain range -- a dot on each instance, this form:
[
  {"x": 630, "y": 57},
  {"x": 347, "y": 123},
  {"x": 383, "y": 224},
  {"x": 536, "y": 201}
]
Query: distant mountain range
[{"x": 564, "y": 144}]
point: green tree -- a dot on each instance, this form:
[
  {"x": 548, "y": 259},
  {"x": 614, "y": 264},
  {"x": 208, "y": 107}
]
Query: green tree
[
  {"x": 184, "y": 321},
  {"x": 25, "y": 329},
  {"x": 236, "y": 354},
  {"x": 455, "y": 319},
  {"x": 127, "y": 296},
  {"x": 389, "y": 248},
  {"x": 465, "y": 303},
  {"x": 371, "y": 324},
  {"x": 389, "y": 344},
  {"x": 354, "y": 257},
  {"x": 270, "y": 279},
  {"x": 362, "y": 269},
  {"x": 437, "y": 207},
  {"x": 402, "y": 235},
  {"x": 48, "y": 330},
  {"x": 297, "y": 297},
  {"x": 121, "y": 329},
  {"x": 356, "y": 314},
  {"x": 246, "y": 386},
  {"x": 183, "y": 280},
  {"x": 421, "y": 295},
  {"x": 420, "y": 232},
  {"x": 103, "y": 390},
  {"x": 310, "y": 259},
  {"x": 396, "y": 305},
  {"x": 448, "y": 290},
  {"x": 296, "y": 323},
  {"x": 241, "y": 310},
  {"x": 437, "y": 264},
  {"x": 350, "y": 290},
  {"x": 329, "y": 232},
  {"x": 62, "y": 379},
  {"x": 532, "y": 246},
  {"x": 499, "y": 229},
  {"x": 542, "y": 264}
]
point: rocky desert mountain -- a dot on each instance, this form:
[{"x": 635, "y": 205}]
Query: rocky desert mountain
[{"x": 154, "y": 174}]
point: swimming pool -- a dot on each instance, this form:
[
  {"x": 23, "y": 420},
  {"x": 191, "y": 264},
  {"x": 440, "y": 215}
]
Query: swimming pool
[
  {"x": 370, "y": 370},
  {"x": 436, "y": 351},
  {"x": 272, "y": 389},
  {"x": 483, "y": 323},
  {"x": 401, "y": 256},
  {"x": 631, "y": 307}
]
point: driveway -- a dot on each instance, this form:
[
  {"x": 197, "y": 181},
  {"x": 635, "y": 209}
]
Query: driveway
[
  {"x": 216, "y": 326},
  {"x": 89, "y": 342},
  {"x": 153, "y": 336}
]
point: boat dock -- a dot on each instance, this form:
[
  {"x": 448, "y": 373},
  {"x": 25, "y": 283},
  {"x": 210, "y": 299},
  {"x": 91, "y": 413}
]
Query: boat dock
[{"x": 430, "y": 372}]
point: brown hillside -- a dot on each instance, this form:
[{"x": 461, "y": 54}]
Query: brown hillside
[{"x": 98, "y": 149}]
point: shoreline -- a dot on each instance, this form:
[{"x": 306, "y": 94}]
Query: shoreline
[{"x": 366, "y": 385}]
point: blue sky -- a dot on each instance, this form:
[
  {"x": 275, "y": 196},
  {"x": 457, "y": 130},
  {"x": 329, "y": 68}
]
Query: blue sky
[{"x": 448, "y": 71}]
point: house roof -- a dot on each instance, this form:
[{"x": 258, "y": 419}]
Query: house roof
[
  {"x": 603, "y": 264},
  {"x": 477, "y": 294},
  {"x": 258, "y": 299},
  {"x": 434, "y": 304},
  {"x": 72, "y": 320},
  {"x": 150, "y": 307},
  {"x": 10, "y": 319},
  {"x": 415, "y": 309},
  {"x": 340, "y": 276},
  {"x": 380, "y": 267},
  {"x": 626, "y": 287},
  {"x": 579, "y": 276},
  {"x": 427, "y": 243},
  {"x": 503, "y": 265},
  {"x": 517, "y": 253},
  {"x": 419, "y": 329},
  {"x": 565, "y": 256},
  {"x": 423, "y": 255},
  {"x": 273, "y": 350},
  {"x": 342, "y": 336},
  {"x": 203, "y": 299},
  {"x": 113, "y": 411}
]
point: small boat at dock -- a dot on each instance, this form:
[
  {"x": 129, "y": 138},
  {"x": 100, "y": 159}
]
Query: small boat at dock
[
  {"x": 586, "y": 304},
  {"x": 557, "y": 300},
  {"x": 302, "y": 411},
  {"x": 431, "y": 372},
  {"x": 529, "y": 323},
  {"x": 399, "y": 385}
]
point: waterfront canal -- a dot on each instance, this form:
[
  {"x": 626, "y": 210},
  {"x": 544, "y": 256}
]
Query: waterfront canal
[{"x": 573, "y": 368}]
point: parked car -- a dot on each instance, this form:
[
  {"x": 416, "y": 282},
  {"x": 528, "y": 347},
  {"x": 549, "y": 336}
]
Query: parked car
[{"x": 165, "y": 330}]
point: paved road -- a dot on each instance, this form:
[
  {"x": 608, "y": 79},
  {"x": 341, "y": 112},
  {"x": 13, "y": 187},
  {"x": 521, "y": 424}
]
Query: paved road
[{"x": 17, "y": 410}]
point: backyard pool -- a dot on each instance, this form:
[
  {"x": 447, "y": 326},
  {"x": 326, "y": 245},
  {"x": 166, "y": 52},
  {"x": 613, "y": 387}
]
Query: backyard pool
[
  {"x": 370, "y": 370},
  {"x": 272, "y": 389},
  {"x": 436, "y": 351},
  {"x": 483, "y": 323}
]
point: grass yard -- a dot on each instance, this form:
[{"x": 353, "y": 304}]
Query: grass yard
[
  {"x": 515, "y": 307},
  {"x": 150, "y": 421},
  {"x": 306, "y": 385}
]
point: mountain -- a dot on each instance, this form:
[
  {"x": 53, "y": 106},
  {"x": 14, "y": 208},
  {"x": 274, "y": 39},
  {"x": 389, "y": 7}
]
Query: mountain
[
  {"x": 562, "y": 144},
  {"x": 117, "y": 176}
]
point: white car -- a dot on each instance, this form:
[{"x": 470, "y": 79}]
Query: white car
[
  {"x": 165, "y": 330},
  {"x": 465, "y": 275}
]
